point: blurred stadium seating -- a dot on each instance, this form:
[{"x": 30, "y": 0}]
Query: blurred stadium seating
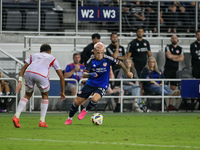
[{"x": 58, "y": 17}]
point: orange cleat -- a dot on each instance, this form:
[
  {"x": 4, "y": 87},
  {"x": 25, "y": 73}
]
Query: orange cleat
[
  {"x": 15, "y": 121},
  {"x": 43, "y": 124}
]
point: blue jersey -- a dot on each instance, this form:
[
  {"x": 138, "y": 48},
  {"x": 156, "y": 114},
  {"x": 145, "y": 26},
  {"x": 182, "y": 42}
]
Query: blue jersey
[
  {"x": 102, "y": 68},
  {"x": 77, "y": 74}
]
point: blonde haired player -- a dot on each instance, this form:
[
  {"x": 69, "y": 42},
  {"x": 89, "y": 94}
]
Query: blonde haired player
[
  {"x": 37, "y": 72},
  {"x": 97, "y": 71}
]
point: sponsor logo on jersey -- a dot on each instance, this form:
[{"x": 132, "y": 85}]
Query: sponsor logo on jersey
[
  {"x": 197, "y": 52},
  {"x": 105, "y": 64}
]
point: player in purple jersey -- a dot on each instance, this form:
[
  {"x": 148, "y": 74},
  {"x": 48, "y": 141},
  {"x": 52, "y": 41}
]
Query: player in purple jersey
[{"x": 97, "y": 71}]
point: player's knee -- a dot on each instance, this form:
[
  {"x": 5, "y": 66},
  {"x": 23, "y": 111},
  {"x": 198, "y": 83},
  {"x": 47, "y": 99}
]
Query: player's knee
[
  {"x": 78, "y": 101},
  {"x": 95, "y": 99}
]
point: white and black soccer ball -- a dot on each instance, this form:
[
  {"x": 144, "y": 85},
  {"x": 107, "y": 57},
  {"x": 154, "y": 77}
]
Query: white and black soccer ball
[{"x": 97, "y": 119}]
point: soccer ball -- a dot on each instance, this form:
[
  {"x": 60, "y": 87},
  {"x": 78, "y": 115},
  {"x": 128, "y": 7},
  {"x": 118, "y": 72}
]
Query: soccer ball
[{"x": 97, "y": 119}]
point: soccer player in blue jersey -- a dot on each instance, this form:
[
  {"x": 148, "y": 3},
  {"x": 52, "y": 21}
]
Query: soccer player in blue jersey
[{"x": 97, "y": 71}]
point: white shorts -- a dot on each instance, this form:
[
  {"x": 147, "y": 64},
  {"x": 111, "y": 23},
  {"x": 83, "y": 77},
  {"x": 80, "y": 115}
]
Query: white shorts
[{"x": 31, "y": 79}]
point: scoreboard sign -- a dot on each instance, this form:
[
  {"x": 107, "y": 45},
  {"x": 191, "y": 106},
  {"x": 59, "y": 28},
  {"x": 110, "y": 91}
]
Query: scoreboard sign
[{"x": 88, "y": 13}]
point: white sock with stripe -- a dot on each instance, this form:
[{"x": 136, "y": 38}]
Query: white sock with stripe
[
  {"x": 44, "y": 107},
  {"x": 20, "y": 107}
]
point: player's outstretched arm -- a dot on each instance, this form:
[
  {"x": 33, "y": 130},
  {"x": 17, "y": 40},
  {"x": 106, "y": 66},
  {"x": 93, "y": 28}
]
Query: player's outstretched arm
[
  {"x": 62, "y": 84},
  {"x": 87, "y": 75},
  {"x": 129, "y": 74},
  {"x": 21, "y": 74}
]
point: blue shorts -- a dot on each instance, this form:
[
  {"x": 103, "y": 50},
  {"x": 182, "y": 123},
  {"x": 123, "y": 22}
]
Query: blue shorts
[{"x": 87, "y": 90}]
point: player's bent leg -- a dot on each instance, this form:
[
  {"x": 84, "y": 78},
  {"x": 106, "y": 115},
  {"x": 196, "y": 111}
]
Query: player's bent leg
[
  {"x": 96, "y": 97},
  {"x": 91, "y": 104},
  {"x": 44, "y": 107},
  {"x": 74, "y": 109},
  {"x": 22, "y": 103}
]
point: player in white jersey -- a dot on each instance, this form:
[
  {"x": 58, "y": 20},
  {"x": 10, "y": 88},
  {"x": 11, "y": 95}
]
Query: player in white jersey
[{"x": 37, "y": 72}]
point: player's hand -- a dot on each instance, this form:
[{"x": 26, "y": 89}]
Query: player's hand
[
  {"x": 77, "y": 68},
  {"x": 19, "y": 87},
  {"x": 62, "y": 96},
  {"x": 116, "y": 45},
  {"x": 93, "y": 74},
  {"x": 129, "y": 74}
]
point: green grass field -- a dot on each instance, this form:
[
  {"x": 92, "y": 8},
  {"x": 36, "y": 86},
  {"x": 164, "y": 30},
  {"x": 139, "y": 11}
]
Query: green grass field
[{"x": 155, "y": 131}]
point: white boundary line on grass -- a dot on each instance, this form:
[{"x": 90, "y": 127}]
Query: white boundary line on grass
[{"x": 108, "y": 143}]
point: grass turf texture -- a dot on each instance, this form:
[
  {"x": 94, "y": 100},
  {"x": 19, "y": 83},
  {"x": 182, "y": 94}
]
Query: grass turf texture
[{"x": 155, "y": 131}]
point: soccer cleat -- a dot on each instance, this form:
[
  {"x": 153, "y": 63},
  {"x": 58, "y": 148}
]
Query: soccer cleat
[
  {"x": 171, "y": 107},
  {"x": 43, "y": 124},
  {"x": 68, "y": 122},
  {"x": 15, "y": 120},
  {"x": 82, "y": 114}
]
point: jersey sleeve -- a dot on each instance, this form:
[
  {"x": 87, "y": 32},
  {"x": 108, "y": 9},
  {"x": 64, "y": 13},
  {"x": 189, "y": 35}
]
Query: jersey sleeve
[
  {"x": 83, "y": 56},
  {"x": 182, "y": 52},
  {"x": 109, "y": 52},
  {"x": 167, "y": 49},
  {"x": 148, "y": 46},
  {"x": 131, "y": 47},
  {"x": 29, "y": 60},
  {"x": 68, "y": 68},
  {"x": 88, "y": 66},
  {"x": 123, "y": 51},
  {"x": 112, "y": 60},
  {"x": 56, "y": 65}
]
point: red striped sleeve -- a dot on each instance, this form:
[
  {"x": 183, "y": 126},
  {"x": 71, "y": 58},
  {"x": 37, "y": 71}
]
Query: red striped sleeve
[{"x": 51, "y": 64}]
